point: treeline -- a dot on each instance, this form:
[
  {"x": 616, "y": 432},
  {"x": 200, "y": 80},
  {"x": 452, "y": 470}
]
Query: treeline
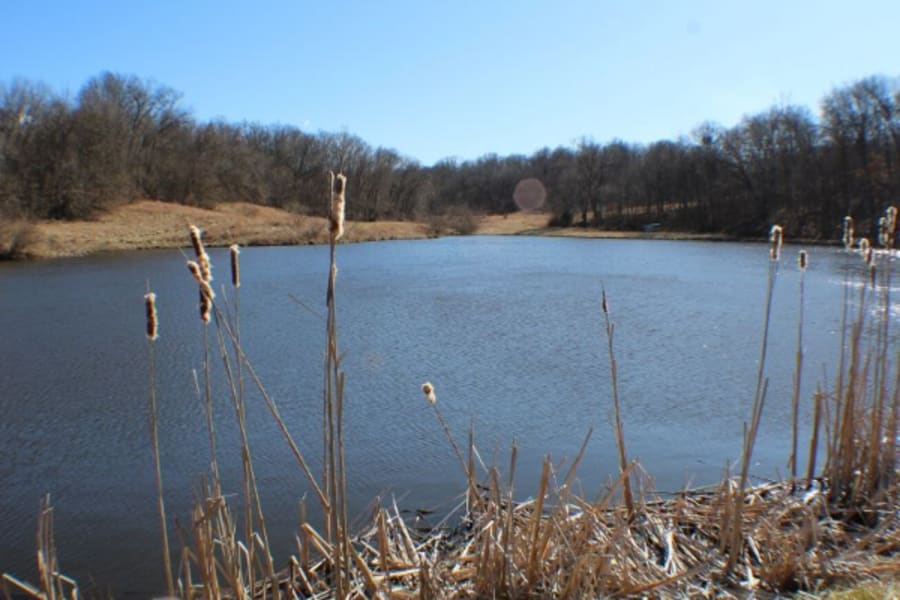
[{"x": 122, "y": 138}]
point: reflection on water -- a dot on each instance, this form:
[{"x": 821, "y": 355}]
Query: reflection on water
[{"x": 508, "y": 330}]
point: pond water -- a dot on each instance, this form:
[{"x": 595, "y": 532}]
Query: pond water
[{"x": 509, "y": 330}]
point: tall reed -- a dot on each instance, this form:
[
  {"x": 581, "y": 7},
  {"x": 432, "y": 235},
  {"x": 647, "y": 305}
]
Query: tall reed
[
  {"x": 153, "y": 418},
  {"x": 802, "y": 264},
  {"x": 776, "y": 240},
  {"x": 620, "y": 434},
  {"x": 333, "y": 402}
]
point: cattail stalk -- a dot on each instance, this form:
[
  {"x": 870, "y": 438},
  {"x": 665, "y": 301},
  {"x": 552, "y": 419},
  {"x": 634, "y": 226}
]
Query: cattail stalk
[
  {"x": 620, "y": 435},
  {"x": 333, "y": 406},
  {"x": 152, "y": 336},
  {"x": 431, "y": 398},
  {"x": 802, "y": 263},
  {"x": 201, "y": 272},
  {"x": 776, "y": 239}
]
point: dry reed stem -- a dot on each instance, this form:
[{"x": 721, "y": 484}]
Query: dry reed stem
[
  {"x": 802, "y": 263},
  {"x": 153, "y": 419},
  {"x": 749, "y": 438},
  {"x": 620, "y": 435}
]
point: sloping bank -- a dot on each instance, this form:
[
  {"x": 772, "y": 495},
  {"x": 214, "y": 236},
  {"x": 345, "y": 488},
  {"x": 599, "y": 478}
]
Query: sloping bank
[{"x": 150, "y": 224}]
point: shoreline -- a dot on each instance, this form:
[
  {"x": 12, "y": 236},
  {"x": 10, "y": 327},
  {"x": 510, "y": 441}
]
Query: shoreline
[{"x": 150, "y": 224}]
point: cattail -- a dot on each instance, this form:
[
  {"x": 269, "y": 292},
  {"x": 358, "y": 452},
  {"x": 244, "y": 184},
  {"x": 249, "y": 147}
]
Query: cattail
[
  {"x": 196, "y": 242},
  {"x": 889, "y": 228},
  {"x": 776, "y": 239},
  {"x": 205, "y": 306},
  {"x": 150, "y": 304},
  {"x": 867, "y": 253},
  {"x": 865, "y": 248},
  {"x": 205, "y": 267},
  {"x": 428, "y": 390},
  {"x": 603, "y": 303},
  {"x": 338, "y": 207},
  {"x": 883, "y": 235},
  {"x": 235, "y": 251},
  {"x": 848, "y": 233},
  {"x": 197, "y": 272},
  {"x": 802, "y": 260}
]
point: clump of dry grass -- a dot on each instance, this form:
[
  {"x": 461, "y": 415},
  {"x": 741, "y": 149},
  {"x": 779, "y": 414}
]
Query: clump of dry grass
[{"x": 53, "y": 585}]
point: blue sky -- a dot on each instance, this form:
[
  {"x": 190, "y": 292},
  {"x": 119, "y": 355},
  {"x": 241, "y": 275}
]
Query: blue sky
[{"x": 461, "y": 78}]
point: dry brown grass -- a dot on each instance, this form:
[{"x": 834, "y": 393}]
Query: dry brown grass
[
  {"x": 149, "y": 224},
  {"x": 520, "y": 223}
]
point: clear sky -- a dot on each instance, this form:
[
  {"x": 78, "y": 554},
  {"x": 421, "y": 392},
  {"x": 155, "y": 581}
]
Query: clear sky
[{"x": 460, "y": 78}]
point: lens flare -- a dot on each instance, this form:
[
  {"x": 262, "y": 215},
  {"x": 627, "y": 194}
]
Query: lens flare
[{"x": 529, "y": 194}]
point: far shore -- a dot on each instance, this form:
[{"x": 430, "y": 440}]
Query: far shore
[{"x": 148, "y": 224}]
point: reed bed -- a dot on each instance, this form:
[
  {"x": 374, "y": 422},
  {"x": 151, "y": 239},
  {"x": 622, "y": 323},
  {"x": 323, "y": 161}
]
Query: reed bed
[{"x": 837, "y": 525}]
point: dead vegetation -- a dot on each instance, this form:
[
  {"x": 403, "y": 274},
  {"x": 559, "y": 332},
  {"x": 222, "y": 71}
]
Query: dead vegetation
[{"x": 838, "y": 525}]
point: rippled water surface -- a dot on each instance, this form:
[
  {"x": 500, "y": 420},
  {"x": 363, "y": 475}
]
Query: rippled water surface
[{"x": 508, "y": 329}]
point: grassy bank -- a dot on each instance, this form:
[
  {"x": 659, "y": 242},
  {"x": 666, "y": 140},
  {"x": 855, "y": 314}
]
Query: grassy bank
[
  {"x": 833, "y": 521},
  {"x": 147, "y": 224}
]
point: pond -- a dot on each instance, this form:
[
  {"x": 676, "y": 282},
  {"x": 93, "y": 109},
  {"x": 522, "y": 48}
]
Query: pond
[{"x": 508, "y": 329}]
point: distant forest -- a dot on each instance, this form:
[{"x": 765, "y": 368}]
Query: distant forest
[{"x": 123, "y": 138}]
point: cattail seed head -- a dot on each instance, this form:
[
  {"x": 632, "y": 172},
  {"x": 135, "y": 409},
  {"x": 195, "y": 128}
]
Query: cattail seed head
[
  {"x": 235, "y": 251},
  {"x": 150, "y": 305},
  {"x": 194, "y": 268},
  {"x": 604, "y": 303},
  {"x": 202, "y": 283},
  {"x": 848, "y": 233},
  {"x": 802, "y": 260},
  {"x": 891, "y": 214},
  {"x": 205, "y": 267},
  {"x": 196, "y": 242},
  {"x": 428, "y": 390},
  {"x": 338, "y": 206},
  {"x": 205, "y": 306},
  {"x": 883, "y": 234},
  {"x": 776, "y": 239}
]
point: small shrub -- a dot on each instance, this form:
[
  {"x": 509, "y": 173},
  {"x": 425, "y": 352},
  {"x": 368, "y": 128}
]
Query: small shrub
[
  {"x": 457, "y": 220},
  {"x": 561, "y": 220}
]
